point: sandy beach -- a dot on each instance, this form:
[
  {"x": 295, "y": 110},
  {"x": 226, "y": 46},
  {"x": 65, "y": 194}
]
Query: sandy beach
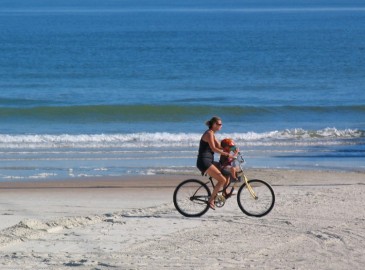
[{"x": 318, "y": 222}]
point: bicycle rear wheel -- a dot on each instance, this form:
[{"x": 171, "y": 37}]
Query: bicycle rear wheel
[
  {"x": 191, "y": 198},
  {"x": 259, "y": 204}
]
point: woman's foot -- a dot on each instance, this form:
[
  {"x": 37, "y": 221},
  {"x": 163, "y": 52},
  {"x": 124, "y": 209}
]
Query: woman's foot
[{"x": 211, "y": 205}]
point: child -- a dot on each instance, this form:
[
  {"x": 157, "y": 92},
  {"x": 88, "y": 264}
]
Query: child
[{"x": 226, "y": 163}]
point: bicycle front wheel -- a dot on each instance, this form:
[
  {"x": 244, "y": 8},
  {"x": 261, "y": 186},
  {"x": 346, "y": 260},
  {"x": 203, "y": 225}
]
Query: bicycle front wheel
[
  {"x": 191, "y": 198},
  {"x": 259, "y": 201}
]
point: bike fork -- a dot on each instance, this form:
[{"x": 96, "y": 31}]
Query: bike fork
[{"x": 250, "y": 189}]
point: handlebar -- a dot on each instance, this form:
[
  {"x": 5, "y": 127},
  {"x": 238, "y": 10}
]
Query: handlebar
[{"x": 239, "y": 157}]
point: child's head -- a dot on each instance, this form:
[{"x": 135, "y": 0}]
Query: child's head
[{"x": 228, "y": 145}]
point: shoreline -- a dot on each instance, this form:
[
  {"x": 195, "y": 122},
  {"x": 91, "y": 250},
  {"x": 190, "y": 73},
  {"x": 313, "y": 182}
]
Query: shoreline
[
  {"x": 273, "y": 176},
  {"x": 130, "y": 222}
]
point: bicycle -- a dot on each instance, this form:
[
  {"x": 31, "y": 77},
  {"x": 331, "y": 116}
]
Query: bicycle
[{"x": 255, "y": 197}]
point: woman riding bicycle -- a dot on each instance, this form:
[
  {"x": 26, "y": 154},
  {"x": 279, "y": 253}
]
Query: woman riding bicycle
[{"x": 205, "y": 161}]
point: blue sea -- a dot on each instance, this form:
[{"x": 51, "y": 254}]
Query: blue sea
[{"x": 113, "y": 88}]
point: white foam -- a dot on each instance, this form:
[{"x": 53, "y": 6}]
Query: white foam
[
  {"x": 42, "y": 175},
  {"x": 165, "y": 139}
]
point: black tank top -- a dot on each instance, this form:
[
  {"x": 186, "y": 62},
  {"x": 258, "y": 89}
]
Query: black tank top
[{"x": 205, "y": 150}]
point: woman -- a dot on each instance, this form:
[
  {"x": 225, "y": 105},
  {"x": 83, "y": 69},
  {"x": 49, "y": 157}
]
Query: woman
[{"x": 205, "y": 162}]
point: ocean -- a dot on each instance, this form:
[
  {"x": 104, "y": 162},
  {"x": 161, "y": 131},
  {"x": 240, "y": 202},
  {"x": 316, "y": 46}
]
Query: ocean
[{"x": 113, "y": 88}]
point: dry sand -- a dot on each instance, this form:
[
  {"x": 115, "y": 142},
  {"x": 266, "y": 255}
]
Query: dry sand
[{"x": 318, "y": 222}]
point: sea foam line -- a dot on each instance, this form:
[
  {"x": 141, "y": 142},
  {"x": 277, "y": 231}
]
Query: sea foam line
[{"x": 165, "y": 139}]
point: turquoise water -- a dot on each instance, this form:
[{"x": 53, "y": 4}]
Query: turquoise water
[{"x": 124, "y": 87}]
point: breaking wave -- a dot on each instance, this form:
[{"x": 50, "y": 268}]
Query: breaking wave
[{"x": 165, "y": 139}]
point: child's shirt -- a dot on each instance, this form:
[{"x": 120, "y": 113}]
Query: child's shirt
[{"x": 225, "y": 161}]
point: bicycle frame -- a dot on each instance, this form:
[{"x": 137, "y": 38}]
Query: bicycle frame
[{"x": 202, "y": 199}]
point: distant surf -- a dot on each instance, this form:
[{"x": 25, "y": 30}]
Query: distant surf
[{"x": 166, "y": 139}]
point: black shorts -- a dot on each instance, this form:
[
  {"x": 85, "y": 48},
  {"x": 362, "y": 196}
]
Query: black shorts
[
  {"x": 203, "y": 163},
  {"x": 226, "y": 170}
]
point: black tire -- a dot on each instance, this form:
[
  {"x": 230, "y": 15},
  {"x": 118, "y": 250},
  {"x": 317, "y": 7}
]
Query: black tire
[
  {"x": 191, "y": 198},
  {"x": 260, "y": 206}
]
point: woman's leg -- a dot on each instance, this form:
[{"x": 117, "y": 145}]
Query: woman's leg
[{"x": 214, "y": 172}]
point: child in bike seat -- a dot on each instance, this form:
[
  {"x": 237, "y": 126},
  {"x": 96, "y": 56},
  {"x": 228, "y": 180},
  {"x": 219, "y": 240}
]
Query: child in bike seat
[{"x": 226, "y": 163}]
